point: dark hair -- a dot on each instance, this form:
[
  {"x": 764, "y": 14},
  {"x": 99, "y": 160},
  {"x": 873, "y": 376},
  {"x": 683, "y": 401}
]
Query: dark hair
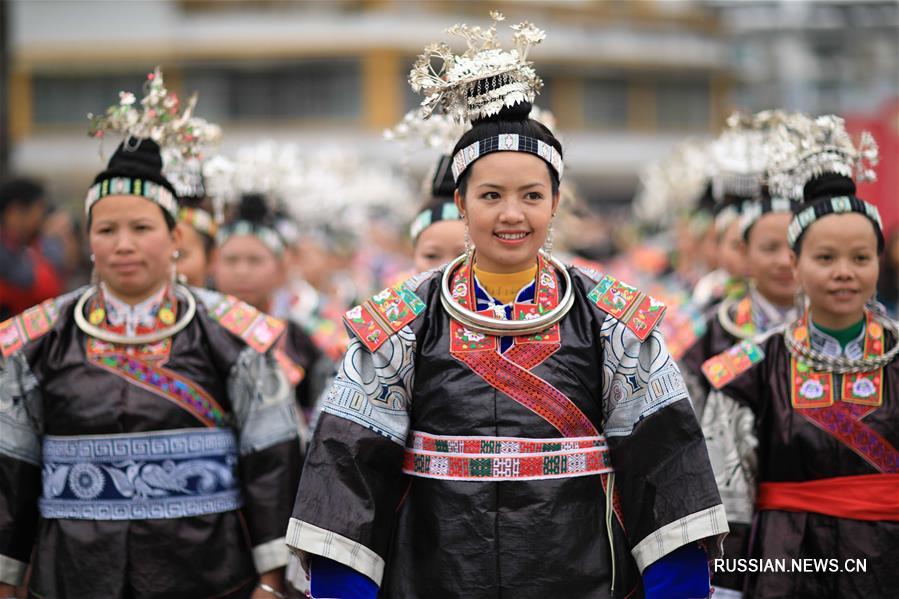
[
  {"x": 253, "y": 209},
  {"x": 20, "y": 192},
  {"x": 509, "y": 120}
]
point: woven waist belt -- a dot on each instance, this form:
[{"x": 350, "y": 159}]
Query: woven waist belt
[
  {"x": 505, "y": 458},
  {"x": 862, "y": 497},
  {"x": 140, "y": 476}
]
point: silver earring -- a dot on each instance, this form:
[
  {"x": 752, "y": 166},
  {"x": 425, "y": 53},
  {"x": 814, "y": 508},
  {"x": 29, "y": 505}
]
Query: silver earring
[
  {"x": 469, "y": 248},
  {"x": 548, "y": 242},
  {"x": 799, "y": 302},
  {"x": 93, "y": 258}
]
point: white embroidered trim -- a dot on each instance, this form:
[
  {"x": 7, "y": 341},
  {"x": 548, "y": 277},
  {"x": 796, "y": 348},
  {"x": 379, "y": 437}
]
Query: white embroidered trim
[
  {"x": 303, "y": 537},
  {"x": 710, "y": 522},
  {"x": 270, "y": 555}
]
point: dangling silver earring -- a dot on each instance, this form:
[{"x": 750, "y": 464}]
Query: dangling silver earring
[
  {"x": 799, "y": 302},
  {"x": 469, "y": 248},
  {"x": 174, "y": 273},
  {"x": 548, "y": 242}
]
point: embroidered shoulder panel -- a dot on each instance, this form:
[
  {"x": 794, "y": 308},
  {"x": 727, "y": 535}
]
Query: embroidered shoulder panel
[
  {"x": 731, "y": 363},
  {"x": 638, "y": 311},
  {"x": 383, "y": 315},
  {"x": 256, "y": 328},
  {"x": 31, "y": 324}
]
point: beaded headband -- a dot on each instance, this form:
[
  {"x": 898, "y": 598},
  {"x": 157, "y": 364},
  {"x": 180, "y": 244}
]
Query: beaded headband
[
  {"x": 132, "y": 187},
  {"x": 266, "y": 235},
  {"x": 426, "y": 218},
  {"x": 756, "y": 209},
  {"x": 835, "y": 205},
  {"x": 199, "y": 219},
  {"x": 507, "y": 142}
]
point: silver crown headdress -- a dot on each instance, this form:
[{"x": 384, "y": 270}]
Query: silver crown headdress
[
  {"x": 481, "y": 80},
  {"x": 159, "y": 116},
  {"x": 737, "y": 159},
  {"x": 803, "y": 147}
]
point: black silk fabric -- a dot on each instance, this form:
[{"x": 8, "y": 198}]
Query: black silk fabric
[
  {"x": 794, "y": 449},
  {"x": 523, "y": 539},
  {"x": 714, "y": 341},
  {"x": 190, "y": 557}
]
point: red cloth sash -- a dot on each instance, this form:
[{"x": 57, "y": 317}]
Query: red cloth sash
[{"x": 864, "y": 497}]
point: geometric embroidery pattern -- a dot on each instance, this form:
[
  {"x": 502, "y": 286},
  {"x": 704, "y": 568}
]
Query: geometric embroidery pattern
[{"x": 492, "y": 458}]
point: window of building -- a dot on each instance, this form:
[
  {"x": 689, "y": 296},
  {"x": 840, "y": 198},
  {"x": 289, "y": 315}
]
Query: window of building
[
  {"x": 683, "y": 104},
  {"x": 67, "y": 99},
  {"x": 605, "y": 102},
  {"x": 309, "y": 89}
]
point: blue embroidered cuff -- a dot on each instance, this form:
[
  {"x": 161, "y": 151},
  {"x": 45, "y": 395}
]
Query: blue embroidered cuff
[
  {"x": 334, "y": 580},
  {"x": 682, "y": 574}
]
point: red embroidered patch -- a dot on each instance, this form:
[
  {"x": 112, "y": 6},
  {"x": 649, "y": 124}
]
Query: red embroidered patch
[
  {"x": 731, "y": 363},
  {"x": 367, "y": 329},
  {"x": 27, "y": 326}
]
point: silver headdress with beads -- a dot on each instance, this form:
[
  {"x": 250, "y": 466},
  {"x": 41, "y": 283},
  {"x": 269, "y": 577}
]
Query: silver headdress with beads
[
  {"x": 802, "y": 147},
  {"x": 481, "y": 80},
  {"x": 159, "y": 116},
  {"x": 737, "y": 159}
]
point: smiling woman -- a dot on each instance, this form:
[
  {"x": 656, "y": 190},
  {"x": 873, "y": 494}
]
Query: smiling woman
[
  {"x": 497, "y": 425},
  {"x": 823, "y": 388}
]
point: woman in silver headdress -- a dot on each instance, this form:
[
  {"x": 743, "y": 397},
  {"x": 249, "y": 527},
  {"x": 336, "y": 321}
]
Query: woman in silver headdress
[
  {"x": 148, "y": 439},
  {"x": 823, "y": 388},
  {"x": 506, "y": 424}
]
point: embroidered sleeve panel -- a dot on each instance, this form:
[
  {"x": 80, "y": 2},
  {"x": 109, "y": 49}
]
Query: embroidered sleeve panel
[
  {"x": 373, "y": 388},
  {"x": 262, "y": 400},
  {"x": 724, "y": 368},
  {"x": 710, "y": 523},
  {"x": 385, "y": 313},
  {"x": 257, "y": 329},
  {"x": 21, "y": 411},
  {"x": 304, "y": 538},
  {"x": 639, "y": 377},
  {"x": 640, "y": 312},
  {"x": 33, "y": 323}
]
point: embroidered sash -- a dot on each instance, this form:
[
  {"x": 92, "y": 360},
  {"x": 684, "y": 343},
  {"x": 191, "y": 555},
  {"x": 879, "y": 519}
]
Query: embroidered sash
[
  {"x": 813, "y": 394},
  {"x": 142, "y": 365},
  {"x": 510, "y": 372}
]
